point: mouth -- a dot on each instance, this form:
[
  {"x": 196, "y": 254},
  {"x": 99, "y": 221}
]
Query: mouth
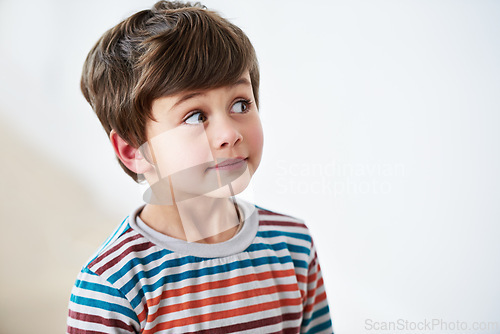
[{"x": 230, "y": 164}]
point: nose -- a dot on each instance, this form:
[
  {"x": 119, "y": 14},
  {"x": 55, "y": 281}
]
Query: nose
[{"x": 224, "y": 133}]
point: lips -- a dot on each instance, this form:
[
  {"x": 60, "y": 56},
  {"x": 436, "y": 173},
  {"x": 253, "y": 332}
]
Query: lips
[{"x": 227, "y": 163}]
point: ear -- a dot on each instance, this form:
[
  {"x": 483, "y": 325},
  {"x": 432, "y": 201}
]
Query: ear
[{"x": 130, "y": 156}]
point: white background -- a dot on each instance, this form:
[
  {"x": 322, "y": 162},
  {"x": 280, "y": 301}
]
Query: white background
[{"x": 381, "y": 127}]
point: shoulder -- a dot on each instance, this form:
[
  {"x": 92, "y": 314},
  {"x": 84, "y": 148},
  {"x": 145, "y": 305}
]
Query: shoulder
[
  {"x": 123, "y": 245},
  {"x": 97, "y": 300},
  {"x": 274, "y": 224},
  {"x": 280, "y": 220},
  {"x": 288, "y": 236}
]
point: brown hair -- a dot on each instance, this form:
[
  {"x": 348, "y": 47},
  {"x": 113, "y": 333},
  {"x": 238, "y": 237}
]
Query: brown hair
[{"x": 167, "y": 49}]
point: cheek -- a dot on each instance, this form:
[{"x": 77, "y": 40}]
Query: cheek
[
  {"x": 178, "y": 150},
  {"x": 255, "y": 138}
]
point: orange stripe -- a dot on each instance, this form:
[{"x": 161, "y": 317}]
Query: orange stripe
[
  {"x": 312, "y": 277},
  {"x": 277, "y": 304},
  {"x": 301, "y": 278},
  {"x": 311, "y": 292},
  {"x": 192, "y": 304},
  {"x": 142, "y": 316},
  {"x": 319, "y": 298}
]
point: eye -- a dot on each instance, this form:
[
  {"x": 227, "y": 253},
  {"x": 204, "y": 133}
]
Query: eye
[
  {"x": 241, "y": 107},
  {"x": 195, "y": 118}
]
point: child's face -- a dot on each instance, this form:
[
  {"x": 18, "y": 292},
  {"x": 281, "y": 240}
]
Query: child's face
[{"x": 205, "y": 142}]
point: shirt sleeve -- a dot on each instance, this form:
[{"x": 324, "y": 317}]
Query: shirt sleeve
[
  {"x": 316, "y": 313},
  {"x": 97, "y": 307}
]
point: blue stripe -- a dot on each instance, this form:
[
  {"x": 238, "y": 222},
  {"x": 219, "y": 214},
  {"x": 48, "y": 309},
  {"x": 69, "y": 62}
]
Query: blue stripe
[
  {"x": 299, "y": 249},
  {"x": 136, "y": 261},
  {"x": 86, "y": 270},
  {"x": 176, "y": 262},
  {"x": 316, "y": 314},
  {"x": 272, "y": 234},
  {"x": 98, "y": 288},
  {"x": 279, "y": 246},
  {"x": 196, "y": 273},
  {"x": 300, "y": 264},
  {"x": 261, "y": 208},
  {"x": 321, "y": 327},
  {"x": 105, "y": 306}
]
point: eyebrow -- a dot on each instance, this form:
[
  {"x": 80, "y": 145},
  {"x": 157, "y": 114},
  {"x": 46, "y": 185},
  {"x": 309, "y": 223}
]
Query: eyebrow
[{"x": 184, "y": 98}]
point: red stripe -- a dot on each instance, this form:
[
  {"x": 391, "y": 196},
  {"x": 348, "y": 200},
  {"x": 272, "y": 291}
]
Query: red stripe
[
  {"x": 255, "y": 324},
  {"x": 113, "y": 323},
  {"x": 116, "y": 247},
  {"x": 134, "y": 248},
  {"x": 73, "y": 330},
  {"x": 313, "y": 262},
  {"x": 270, "y": 213},
  {"x": 288, "y": 330},
  {"x": 281, "y": 223}
]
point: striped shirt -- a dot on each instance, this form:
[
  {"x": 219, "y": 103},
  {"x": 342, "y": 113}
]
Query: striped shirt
[{"x": 266, "y": 279}]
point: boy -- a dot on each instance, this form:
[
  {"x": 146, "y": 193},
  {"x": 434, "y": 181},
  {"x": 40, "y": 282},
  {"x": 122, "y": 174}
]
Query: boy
[{"x": 176, "y": 89}]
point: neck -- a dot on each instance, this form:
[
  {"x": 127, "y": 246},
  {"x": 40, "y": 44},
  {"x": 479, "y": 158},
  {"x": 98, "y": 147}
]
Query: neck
[{"x": 200, "y": 219}]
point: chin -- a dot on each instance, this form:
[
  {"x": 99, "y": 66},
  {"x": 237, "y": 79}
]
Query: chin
[{"x": 234, "y": 188}]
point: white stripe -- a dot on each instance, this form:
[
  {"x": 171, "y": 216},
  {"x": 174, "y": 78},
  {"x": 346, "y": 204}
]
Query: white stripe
[{"x": 281, "y": 218}]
